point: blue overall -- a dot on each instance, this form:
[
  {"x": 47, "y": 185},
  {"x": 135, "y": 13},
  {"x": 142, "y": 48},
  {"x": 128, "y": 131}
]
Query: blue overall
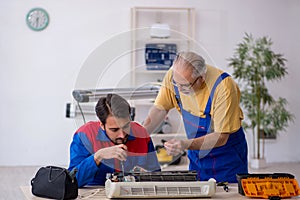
[{"x": 221, "y": 163}]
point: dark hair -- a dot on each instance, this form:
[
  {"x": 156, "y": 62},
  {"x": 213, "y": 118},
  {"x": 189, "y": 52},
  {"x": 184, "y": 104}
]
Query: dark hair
[{"x": 112, "y": 104}]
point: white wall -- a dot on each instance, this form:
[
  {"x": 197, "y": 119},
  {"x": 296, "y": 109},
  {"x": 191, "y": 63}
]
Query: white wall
[{"x": 39, "y": 70}]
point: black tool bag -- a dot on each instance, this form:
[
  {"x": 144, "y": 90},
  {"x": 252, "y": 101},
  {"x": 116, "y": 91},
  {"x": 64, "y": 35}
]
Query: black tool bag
[{"x": 55, "y": 183}]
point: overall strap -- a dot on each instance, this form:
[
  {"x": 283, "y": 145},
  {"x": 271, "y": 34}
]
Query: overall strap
[
  {"x": 208, "y": 105},
  {"x": 177, "y": 97}
]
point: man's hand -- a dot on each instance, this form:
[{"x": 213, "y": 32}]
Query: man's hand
[
  {"x": 175, "y": 146},
  {"x": 117, "y": 151}
]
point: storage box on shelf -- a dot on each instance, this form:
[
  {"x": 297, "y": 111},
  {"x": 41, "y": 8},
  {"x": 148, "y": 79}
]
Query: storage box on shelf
[{"x": 169, "y": 29}]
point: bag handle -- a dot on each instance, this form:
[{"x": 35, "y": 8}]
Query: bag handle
[{"x": 50, "y": 172}]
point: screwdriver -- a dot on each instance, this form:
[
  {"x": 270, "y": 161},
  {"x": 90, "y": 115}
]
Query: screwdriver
[
  {"x": 120, "y": 141},
  {"x": 122, "y": 165}
]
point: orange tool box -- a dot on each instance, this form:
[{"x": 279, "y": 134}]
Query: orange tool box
[{"x": 268, "y": 186}]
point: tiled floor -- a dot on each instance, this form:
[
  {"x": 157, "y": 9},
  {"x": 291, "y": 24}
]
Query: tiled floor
[{"x": 14, "y": 177}]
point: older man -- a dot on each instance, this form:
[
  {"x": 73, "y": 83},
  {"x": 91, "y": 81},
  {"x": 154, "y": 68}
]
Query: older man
[{"x": 208, "y": 100}]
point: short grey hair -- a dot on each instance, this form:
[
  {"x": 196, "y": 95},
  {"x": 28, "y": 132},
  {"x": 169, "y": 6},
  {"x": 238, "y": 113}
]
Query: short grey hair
[{"x": 191, "y": 59}]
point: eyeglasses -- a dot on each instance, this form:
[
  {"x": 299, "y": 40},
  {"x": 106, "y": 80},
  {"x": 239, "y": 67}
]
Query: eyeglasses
[{"x": 187, "y": 86}]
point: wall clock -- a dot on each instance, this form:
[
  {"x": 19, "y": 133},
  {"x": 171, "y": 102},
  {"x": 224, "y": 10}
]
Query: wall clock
[{"x": 37, "y": 19}]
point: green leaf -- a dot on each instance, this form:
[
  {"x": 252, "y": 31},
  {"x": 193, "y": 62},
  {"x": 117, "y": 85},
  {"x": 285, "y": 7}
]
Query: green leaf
[{"x": 254, "y": 64}]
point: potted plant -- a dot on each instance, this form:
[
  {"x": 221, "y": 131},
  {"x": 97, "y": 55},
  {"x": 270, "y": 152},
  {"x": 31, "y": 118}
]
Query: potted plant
[{"x": 254, "y": 64}]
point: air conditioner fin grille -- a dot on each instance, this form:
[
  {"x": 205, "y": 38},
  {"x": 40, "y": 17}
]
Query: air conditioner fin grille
[{"x": 162, "y": 191}]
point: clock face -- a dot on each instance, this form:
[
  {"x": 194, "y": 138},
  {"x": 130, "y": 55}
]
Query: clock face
[{"x": 37, "y": 19}]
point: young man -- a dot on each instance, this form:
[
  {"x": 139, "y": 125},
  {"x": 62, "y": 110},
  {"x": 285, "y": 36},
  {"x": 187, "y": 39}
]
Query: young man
[
  {"x": 99, "y": 147},
  {"x": 208, "y": 100}
]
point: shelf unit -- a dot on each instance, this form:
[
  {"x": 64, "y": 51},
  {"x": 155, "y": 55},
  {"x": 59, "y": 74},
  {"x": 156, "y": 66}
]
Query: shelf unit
[
  {"x": 182, "y": 31},
  {"x": 181, "y": 21}
]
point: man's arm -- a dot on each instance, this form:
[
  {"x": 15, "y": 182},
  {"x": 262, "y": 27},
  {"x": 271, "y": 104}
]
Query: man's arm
[
  {"x": 82, "y": 160},
  {"x": 206, "y": 142},
  {"x": 154, "y": 119}
]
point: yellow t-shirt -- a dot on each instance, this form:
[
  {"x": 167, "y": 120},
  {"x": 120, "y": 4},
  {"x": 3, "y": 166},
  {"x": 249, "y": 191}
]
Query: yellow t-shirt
[{"x": 225, "y": 112}]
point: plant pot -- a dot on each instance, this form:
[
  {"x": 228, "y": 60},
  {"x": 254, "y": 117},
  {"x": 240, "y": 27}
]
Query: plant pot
[{"x": 256, "y": 163}]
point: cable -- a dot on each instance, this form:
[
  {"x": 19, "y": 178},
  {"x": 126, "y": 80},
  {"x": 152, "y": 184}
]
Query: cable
[
  {"x": 81, "y": 112},
  {"x": 225, "y": 186},
  {"x": 89, "y": 194}
]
